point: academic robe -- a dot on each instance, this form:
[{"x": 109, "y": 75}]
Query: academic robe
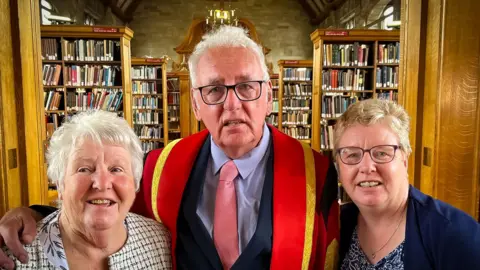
[
  {"x": 304, "y": 218},
  {"x": 437, "y": 237}
]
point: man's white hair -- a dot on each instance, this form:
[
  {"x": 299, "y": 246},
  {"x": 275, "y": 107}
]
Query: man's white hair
[
  {"x": 99, "y": 126},
  {"x": 225, "y": 36}
]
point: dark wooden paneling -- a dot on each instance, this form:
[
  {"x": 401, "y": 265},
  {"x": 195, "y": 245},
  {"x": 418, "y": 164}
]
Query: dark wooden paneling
[
  {"x": 442, "y": 62},
  {"x": 411, "y": 49},
  {"x": 458, "y": 107}
]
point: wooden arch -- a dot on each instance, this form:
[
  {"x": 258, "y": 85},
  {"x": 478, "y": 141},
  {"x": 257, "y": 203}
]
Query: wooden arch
[{"x": 197, "y": 29}]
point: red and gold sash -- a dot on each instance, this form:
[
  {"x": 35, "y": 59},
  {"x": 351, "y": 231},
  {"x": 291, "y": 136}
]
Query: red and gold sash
[{"x": 295, "y": 223}]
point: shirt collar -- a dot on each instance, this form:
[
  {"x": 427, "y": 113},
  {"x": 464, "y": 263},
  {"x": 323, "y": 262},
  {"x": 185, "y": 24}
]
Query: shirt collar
[{"x": 245, "y": 164}]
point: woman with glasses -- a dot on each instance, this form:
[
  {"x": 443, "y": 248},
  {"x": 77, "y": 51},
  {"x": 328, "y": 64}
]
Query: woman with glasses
[{"x": 391, "y": 224}]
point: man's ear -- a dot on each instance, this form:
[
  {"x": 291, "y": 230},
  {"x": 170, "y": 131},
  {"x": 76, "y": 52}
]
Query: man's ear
[
  {"x": 195, "y": 107},
  {"x": 269, "y": 98}
]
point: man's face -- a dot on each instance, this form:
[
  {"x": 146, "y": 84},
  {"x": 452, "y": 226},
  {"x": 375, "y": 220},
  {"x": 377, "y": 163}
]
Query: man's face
[{"x": 236, "y": 126}]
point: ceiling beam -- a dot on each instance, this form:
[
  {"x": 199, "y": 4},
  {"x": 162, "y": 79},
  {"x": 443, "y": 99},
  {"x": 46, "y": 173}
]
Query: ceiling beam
[
  {"x": 325, "y": 10},
  {"x": 116, "y": 10},
  {"x": 311, "y": 13},
  {"x": 131, "y": 9}
]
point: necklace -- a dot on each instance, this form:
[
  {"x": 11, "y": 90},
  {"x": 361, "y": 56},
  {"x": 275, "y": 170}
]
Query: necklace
[{"x": 374, "y": 254}]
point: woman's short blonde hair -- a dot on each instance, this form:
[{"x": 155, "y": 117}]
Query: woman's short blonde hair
[
  {"x": 100, "y": 126},
  {"x": 371, "y": 111}
]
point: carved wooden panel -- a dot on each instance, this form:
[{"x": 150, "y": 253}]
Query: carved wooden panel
[
  {"x": 445, "y": 68},
  {"x": 458, "y": 145}
]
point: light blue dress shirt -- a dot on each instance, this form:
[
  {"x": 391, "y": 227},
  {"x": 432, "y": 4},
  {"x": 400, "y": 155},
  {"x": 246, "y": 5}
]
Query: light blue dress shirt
[{"x": 249, "y": 186}]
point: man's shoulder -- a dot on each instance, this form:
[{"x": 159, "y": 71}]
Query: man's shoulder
[{"x": 195, "y": 138}]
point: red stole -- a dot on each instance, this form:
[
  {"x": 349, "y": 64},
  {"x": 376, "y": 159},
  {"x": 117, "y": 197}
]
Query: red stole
[{"x": 295, "y": 223}]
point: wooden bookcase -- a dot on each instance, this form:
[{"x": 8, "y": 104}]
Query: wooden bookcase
[
  {"x": 350, "y": 65},
  {"x": 273, "y": 117},
  {"x": 181, "y": 120},
  {"x": 295, "y": 98},
  {"x": 149, "y": 89},
  {"x": 84, "y": 67}
]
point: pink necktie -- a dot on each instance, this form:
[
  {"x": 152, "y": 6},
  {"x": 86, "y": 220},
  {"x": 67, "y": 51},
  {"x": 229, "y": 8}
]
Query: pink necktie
[{"x": 225, "y": 233}]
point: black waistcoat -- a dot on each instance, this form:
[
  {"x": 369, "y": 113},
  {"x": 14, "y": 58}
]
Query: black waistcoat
[{"x": 195, "y": 248}]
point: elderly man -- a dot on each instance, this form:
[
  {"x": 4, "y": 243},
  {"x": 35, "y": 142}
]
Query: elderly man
[{"x": 241, "y": 194}]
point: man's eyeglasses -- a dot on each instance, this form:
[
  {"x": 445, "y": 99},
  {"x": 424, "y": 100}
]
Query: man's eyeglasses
[
  {"x": 379, "y": 154},
  {"x": 217, "y": 94}
]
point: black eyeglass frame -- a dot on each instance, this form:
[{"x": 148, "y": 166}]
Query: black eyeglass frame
[
  {"x": 395, "y": 148},
  {"x": 234, "y": 87}
]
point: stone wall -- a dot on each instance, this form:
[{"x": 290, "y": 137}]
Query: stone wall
[{"x": 282, "y": 25}]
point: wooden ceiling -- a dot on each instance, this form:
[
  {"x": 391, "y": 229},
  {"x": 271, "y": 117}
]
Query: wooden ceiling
[
  {"x": 123, "y": 9},
  {"x": 317, "y": 10}
]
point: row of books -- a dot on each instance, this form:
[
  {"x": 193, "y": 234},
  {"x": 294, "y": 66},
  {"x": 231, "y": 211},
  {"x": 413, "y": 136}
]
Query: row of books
[
  {"x": 327, "y": 137},
  {"x": 53, "y": 100},
  {"x": 173, "y": 113},
  {"x": 334, "y": 106},
  {"x": 149, "y": 132},
  {"x": 98, "y": 98},
  {"x": 52, "y": 122},
  {"x": 355, "y": 54},
  {"x": 390, "y": 95},
  {"x": 297, "y": 74},
  {"x": 146, "y": 103},
  {"x": 49, "y": 49},
  {"x": 297, "y": 89},
  {"x": 296, "y": 118},
  {"x": 351, "y": 79},
  {"x": 296, "y": 104},
  {"x": 51, "y": 74},
  {"x": 146, "y": 72},
  {"x": 272, "y": 120},
  {"x": 149, "y": 146},
  {"x": 90, "y": 50},
  {"x": 387, "y": 76},
  {"x": 174, "y": 98},
  {"x": 274, "y": 83},
  {"x": 173, "y": 84},
  {"x": 301, "y": 133},
  {"x": 95, "y": 75},
  {"x": 147, "y": 118},
  {"x": 389, "y": 53},
  {"x": 139, "y": 87},
  {"x": 275, "y": 106}
]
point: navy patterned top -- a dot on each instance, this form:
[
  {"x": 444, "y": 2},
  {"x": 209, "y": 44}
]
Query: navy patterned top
[{"x": 356, "y": 259}]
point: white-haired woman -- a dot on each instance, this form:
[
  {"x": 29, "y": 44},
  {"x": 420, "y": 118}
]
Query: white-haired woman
[
  {"x": 97, "y": 160},
  {"x": 392, "y": 225}
]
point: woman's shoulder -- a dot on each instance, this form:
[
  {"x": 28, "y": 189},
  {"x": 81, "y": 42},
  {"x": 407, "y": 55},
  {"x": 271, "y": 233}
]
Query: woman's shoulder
[
  {"x": 439, "y": 226},
  {"x": 437, "y": 211},
  {"x": 148, "y": 245},
  {"x": 147, "y": 227}
]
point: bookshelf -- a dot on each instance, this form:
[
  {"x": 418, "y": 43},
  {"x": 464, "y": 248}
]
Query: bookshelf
[
  {"x": 173, "y": 107},
  {"x": 350, "y": 65},
  {"x": 295, "y": 98},
  {"x": 84, "y": 67},
  {"x": 273, "y": 117},
  {"x": 181, "y": 119},
  {"x": 148, "y": 102}
]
